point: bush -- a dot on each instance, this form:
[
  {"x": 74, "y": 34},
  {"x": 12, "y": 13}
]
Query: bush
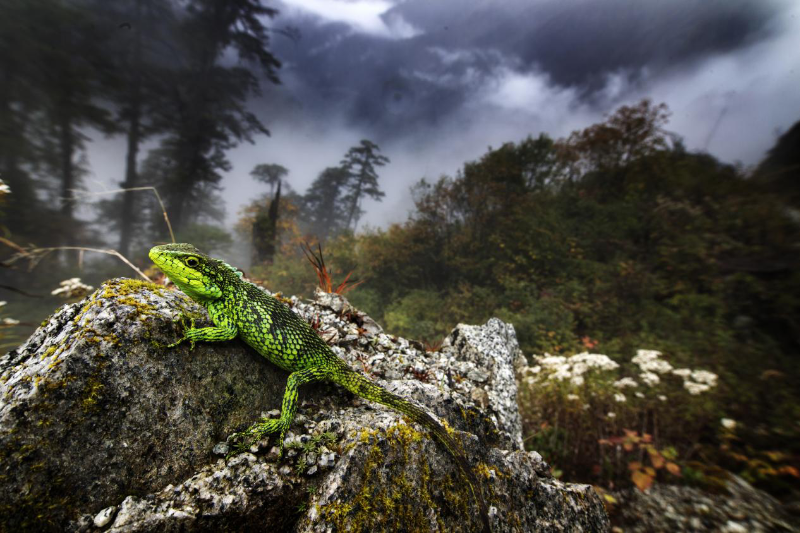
[{"x": 601, "y": 422}]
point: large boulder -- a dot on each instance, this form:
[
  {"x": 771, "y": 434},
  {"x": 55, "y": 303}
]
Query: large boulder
[
  {"x": 737, "y": 508},
  {"x": 103, "y": 427}
]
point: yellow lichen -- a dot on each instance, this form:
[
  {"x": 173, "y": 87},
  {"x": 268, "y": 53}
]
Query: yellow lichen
[{"x": 388, "y": 500}]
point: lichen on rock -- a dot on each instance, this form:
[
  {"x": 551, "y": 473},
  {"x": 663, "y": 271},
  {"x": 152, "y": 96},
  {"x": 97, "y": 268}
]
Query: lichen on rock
[{"x": 102, "y": 427}]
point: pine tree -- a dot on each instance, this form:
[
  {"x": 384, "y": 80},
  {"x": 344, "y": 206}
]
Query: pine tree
[
  {"x": 207, "y": 113},
  {"x": 360, "y": 162}
]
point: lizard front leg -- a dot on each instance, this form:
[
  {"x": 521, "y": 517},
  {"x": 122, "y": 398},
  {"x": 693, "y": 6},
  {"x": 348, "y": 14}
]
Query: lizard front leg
[
  {"x": 288, "y": 408},
  {"x": 224, "y": 329}
]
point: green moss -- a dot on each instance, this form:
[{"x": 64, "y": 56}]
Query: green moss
[
  {"x": 123, "y": 291},
  {"x": 125, "y": 287}
]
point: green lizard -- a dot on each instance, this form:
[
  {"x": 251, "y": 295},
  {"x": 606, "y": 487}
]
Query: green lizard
[{"x": 237, "y": 307}]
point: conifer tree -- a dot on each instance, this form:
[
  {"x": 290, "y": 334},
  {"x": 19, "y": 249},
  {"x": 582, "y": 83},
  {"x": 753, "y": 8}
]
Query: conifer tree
[{"x": 360, "y": 162}]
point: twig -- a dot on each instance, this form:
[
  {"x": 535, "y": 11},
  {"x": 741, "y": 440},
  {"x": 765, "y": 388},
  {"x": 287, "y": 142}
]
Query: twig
[
  {"x": 13, "y": 245},
  {"x": 35, "y": 255},
  {"x": 117, "y": 191},
  {"x": 20, "y": 291}
]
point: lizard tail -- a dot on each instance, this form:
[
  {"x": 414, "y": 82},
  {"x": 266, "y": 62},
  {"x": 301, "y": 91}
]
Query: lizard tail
[{"x": 361, "y": 386}]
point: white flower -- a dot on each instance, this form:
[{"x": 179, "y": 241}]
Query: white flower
[
  {"x": 4, "y": 188},
  {"x": 10, "y": 322},
  {"x": 552, "y": 360},
  {"x": 704, "y": 376},
  {"x": 562, "y": 372},
  {"x": 594, "y": 360},
  {"x": 625, "y": 382},
  {"x": 586, "y": 407},
  {"x": 639, "y": 395},
  {"x": 662, "y": 398},
  {"x": 649, "y": 379},
  {"x": 648, "y": 361},
  {"x": 728, "y": 423},
  {"x": 611, "y": 414},
  {"x": 695, "y": 388},
  {"x": 535, "y": 370},
  {"x": 682, "y": 372},
  {"x": 579, "y": 368},
  {"x": 573, "y": 368},
  {"x": 647, "y": 354},
  {"x": 2, "y": 303},
  {"x": 619, "y": 397},
  {"x": 573, "y": 397}
]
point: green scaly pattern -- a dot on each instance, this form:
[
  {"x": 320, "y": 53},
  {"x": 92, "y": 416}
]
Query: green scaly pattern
[{"x": 237, "y": 307}]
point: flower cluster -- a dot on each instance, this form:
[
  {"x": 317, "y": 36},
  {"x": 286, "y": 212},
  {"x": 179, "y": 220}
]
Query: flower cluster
[
  {"x": 72, "y": 288},
  {"x": 651, "y": 365},
  {"x": 653, "y": 369},
  {"x": 650, "y": 361},
  {"x": 625, "y": 382},
  {"x": 573, "y": 368},
  {"x": 696, "y": 381}
]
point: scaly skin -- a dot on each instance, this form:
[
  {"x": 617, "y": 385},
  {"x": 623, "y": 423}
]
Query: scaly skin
[{"x": 237, "y": 307}]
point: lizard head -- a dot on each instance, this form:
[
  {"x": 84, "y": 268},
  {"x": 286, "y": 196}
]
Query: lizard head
[{"x": 195, "y": 273}]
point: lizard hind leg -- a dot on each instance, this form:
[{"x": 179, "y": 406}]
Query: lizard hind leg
[{"x": 268, "y": 426}]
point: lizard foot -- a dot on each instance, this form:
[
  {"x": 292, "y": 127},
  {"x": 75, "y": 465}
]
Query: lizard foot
[
  {"x": 257, "y": 431},
  {"x": 186, "y": 330}
]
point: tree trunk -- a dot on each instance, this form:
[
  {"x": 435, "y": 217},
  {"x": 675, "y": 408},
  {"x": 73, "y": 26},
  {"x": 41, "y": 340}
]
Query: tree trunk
[
  {"x": 67, "y": 142},
  {"x": 265, "y": 231},
  {"x": 354, "y": 205},
  {"x": 273, "y": 225},
  {"x": 127, "y": 216}
]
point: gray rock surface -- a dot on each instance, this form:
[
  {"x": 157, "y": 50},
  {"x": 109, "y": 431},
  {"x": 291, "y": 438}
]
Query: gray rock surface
[
  {"x": 102, "y": 427},
  {"x": 740, "y": 509}
]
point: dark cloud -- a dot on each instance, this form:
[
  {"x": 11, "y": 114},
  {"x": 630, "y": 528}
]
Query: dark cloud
[
  {"x": 577, "y": 42},
  {"x": 390, "y": 85}
]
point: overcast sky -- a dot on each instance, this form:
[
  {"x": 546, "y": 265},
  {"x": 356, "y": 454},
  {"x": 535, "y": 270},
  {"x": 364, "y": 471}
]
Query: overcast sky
[{"x": 436, "y": 82}]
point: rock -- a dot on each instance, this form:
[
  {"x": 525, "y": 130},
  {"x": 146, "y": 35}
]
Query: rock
[
  {"x": 96, "y": 414},
  {"x": 742, "y": 508},
  {"x": 104, "y": 517},
  {"x": 221, "y": 448},
  {"x": 494, "y": 350},
  {"x": 335, "y": 302},
  {"x": 93, "y": 408}
]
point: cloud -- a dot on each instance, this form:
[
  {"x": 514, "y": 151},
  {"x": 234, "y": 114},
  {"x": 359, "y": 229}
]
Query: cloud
[{"x": 372, "y": 17}]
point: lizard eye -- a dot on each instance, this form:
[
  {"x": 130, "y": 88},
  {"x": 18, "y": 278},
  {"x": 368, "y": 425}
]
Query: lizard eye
[{"x": 192, "y": 262}]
